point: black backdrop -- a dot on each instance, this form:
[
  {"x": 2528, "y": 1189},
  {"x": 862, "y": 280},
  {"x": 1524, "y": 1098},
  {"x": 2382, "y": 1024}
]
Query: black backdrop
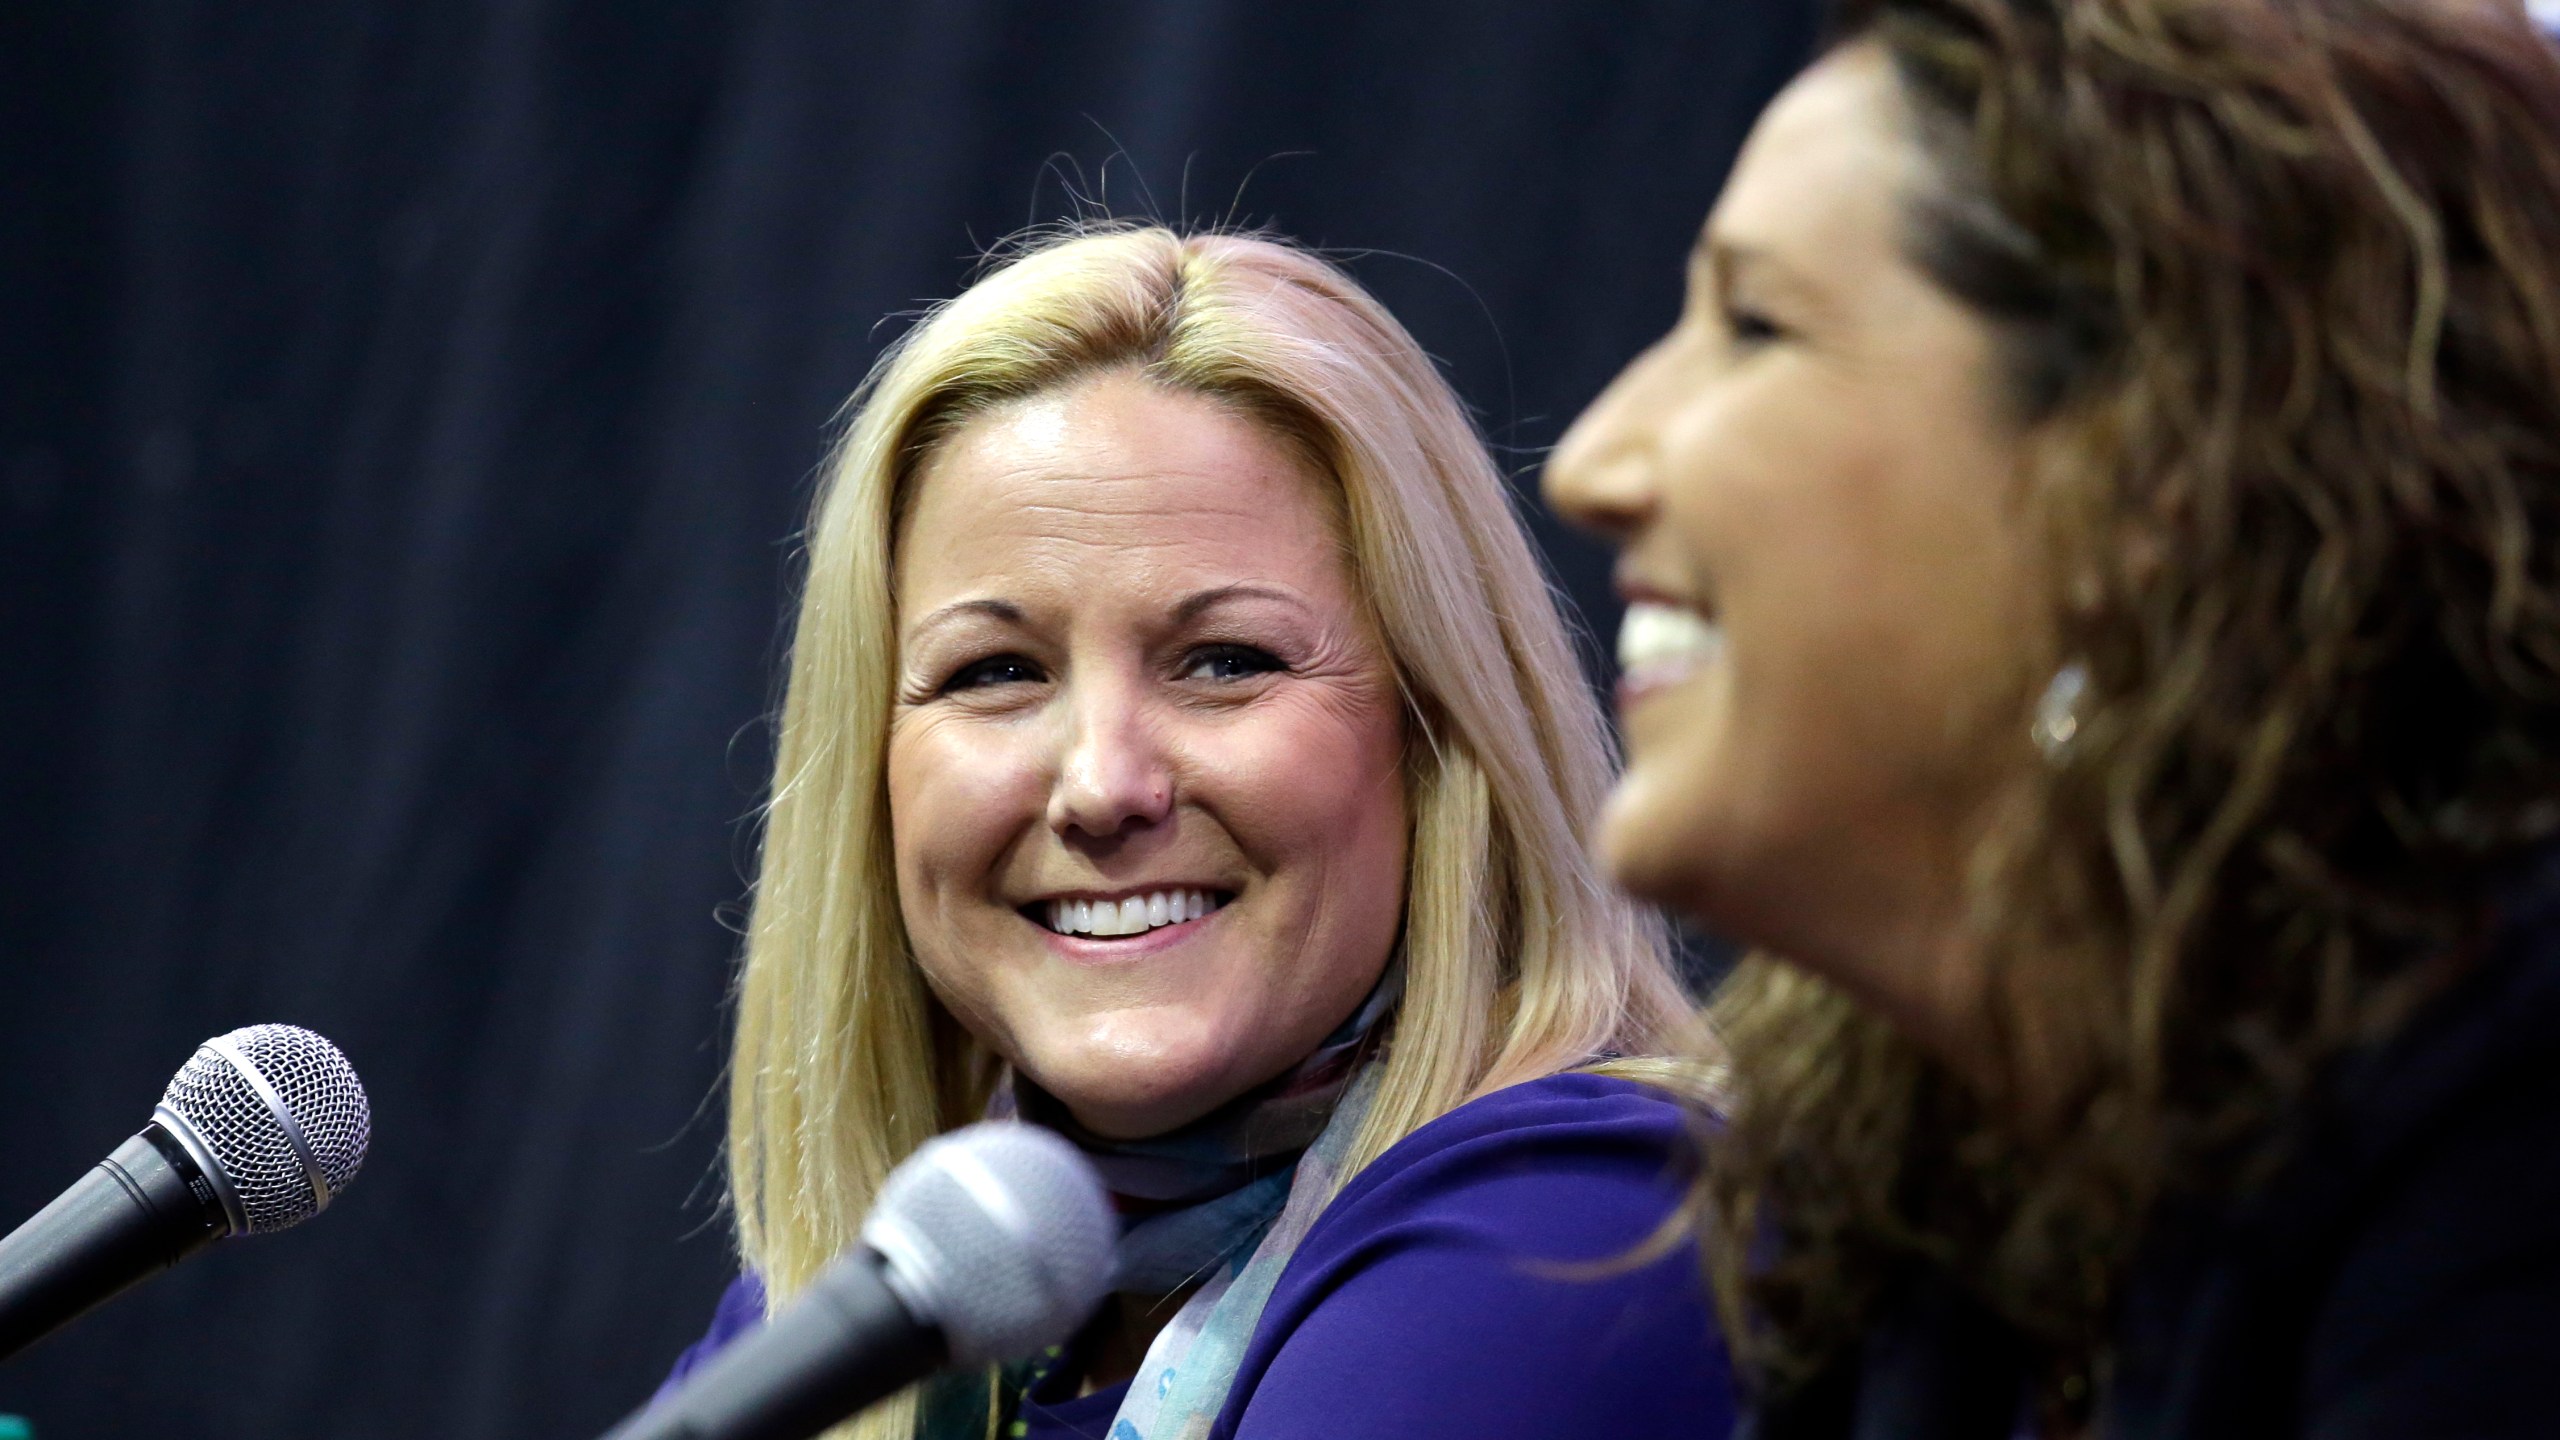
[{"x": 404, "y": 409}]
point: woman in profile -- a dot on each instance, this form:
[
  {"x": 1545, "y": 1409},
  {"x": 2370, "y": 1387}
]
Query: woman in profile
[
  {"x": 1183, "y": 750},
  {"x": 2093, "y": 544}
]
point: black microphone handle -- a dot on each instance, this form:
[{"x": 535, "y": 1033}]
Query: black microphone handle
[
  {"x": 844, "y": 1343},
  {"x": 136, "y": 1213}
]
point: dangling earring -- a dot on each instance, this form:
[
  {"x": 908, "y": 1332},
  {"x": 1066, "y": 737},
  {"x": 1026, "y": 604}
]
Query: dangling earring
[{"x": 2058, "y": 711}]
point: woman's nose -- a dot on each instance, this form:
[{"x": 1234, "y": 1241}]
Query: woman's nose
[
  {"x": 1112, "y": 776},
  {"x": 1601, "y": 475}
]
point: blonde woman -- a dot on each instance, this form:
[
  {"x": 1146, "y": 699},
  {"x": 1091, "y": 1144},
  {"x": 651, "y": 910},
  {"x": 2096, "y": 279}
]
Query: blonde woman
[{"x": 1183, "y": 750}]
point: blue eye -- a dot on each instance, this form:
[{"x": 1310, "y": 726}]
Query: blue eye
[
  {"x": 994, "y": 670},
  {"x": 1229, "y": 662}
]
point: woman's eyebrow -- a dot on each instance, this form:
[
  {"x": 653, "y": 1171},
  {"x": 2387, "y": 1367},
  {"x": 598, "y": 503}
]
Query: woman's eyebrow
[
  {"x": 1193, "y": 606},
  {"x": 1730, "y": 260},
  {"x": 1736, "y": 262},
  {"x": 1190, "y": 608},
  {"x": 1001, "y": 610}
]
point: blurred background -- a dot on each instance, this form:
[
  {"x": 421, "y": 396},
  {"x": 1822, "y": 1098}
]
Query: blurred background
[{"x": 405, "y": 412}]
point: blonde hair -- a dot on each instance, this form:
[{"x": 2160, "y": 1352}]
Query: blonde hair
[{"x": 1519, "y": 960}]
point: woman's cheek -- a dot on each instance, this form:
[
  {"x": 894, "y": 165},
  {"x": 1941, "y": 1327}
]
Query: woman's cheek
[
  {"x": 1304, "y": 779},
  {"x": 949, "y": 776}
]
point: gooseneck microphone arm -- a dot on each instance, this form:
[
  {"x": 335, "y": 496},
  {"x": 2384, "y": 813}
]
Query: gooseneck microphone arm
[{"x": 136, "y": 1213}]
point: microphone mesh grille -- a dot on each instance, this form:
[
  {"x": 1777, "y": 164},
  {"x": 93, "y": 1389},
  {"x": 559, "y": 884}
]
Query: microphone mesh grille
[
  {"x": 319, "y": 1090},
  {"x": 1001, "y": 1234}
]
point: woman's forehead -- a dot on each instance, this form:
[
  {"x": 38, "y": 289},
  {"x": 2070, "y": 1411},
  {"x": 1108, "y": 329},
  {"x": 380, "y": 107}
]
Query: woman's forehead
[
  {"x": 1826, "y": 167},
  {"x": 1115, "y": 483}
]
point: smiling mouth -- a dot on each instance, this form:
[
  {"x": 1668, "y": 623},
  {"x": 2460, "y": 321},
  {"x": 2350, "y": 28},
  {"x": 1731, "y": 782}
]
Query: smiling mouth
[
  {"x": 1659, "y": 642},
  {"x": 1127, "y": 915}
]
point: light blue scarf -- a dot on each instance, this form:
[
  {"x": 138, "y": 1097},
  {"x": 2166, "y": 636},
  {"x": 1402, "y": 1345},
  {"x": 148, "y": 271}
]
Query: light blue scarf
[
  {"x": 1220, "y": 1203},
  {"x": 1183, "y": 1383}
]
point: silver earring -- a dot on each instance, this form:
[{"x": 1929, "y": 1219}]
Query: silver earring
[{"x": 2058, "y": 710}]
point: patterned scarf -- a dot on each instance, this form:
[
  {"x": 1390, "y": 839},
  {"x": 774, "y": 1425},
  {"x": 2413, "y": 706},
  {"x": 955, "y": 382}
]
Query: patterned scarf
[{"x": 1221, "y": 1203}]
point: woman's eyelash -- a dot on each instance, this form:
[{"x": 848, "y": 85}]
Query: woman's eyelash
[
  {"x": 1219, "y": 662},
  {"x": 994, "y": 670},
  {"x": 1748, "y": 326},
  {"x": 1231, "y": 662}
]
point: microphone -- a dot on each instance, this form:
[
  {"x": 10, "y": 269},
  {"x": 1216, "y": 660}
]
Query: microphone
[
  {"x": 257, "y": 1132},
  {"x": 989, "y": 1243}
]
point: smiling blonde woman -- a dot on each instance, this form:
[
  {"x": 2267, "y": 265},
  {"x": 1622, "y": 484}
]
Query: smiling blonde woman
[{"x": 1183, "y": 749}]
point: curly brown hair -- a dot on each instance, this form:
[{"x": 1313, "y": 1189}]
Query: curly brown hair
[{"x": 2279, "y": 306}]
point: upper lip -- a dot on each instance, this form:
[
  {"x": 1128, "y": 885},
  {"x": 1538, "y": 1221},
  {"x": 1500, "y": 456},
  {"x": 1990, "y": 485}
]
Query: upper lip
[
  {"x": 1129, "y": 892},
  {"x": 1634, "y": 589}
]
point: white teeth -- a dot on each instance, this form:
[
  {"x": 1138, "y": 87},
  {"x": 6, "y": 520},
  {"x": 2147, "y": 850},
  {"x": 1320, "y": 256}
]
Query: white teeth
[
  {"x": 1655, "y": 635},
  {"x": 1134, "y": 916}
]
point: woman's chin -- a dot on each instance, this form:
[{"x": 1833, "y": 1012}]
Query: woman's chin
[
  {"x": 1135, "y": 1118},
  {"x": 1646, "y": 841},
  {"x": 1663, "y": 852},
  {"x": 1118, "y": 1100}
]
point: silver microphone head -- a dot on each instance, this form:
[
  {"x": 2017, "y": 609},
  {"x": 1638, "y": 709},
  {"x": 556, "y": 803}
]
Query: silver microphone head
[
  {"x": 275, "y": 1118},
  {"x": 999, "y": 1235}
]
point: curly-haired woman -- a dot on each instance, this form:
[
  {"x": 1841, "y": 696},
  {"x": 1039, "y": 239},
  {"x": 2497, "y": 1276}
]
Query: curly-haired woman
[{"x": 2093, "y": 544}]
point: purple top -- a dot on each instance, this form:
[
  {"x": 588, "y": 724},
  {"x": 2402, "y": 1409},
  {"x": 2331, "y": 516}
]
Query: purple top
[{"x": 1425, "y": 1299}]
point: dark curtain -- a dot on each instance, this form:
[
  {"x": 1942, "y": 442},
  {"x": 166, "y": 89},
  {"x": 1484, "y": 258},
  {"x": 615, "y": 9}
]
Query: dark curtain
[{"x": 404, "y": 413}]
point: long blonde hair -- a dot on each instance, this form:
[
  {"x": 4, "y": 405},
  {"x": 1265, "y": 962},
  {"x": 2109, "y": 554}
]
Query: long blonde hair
[{"x": 1519, "y": 960}]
